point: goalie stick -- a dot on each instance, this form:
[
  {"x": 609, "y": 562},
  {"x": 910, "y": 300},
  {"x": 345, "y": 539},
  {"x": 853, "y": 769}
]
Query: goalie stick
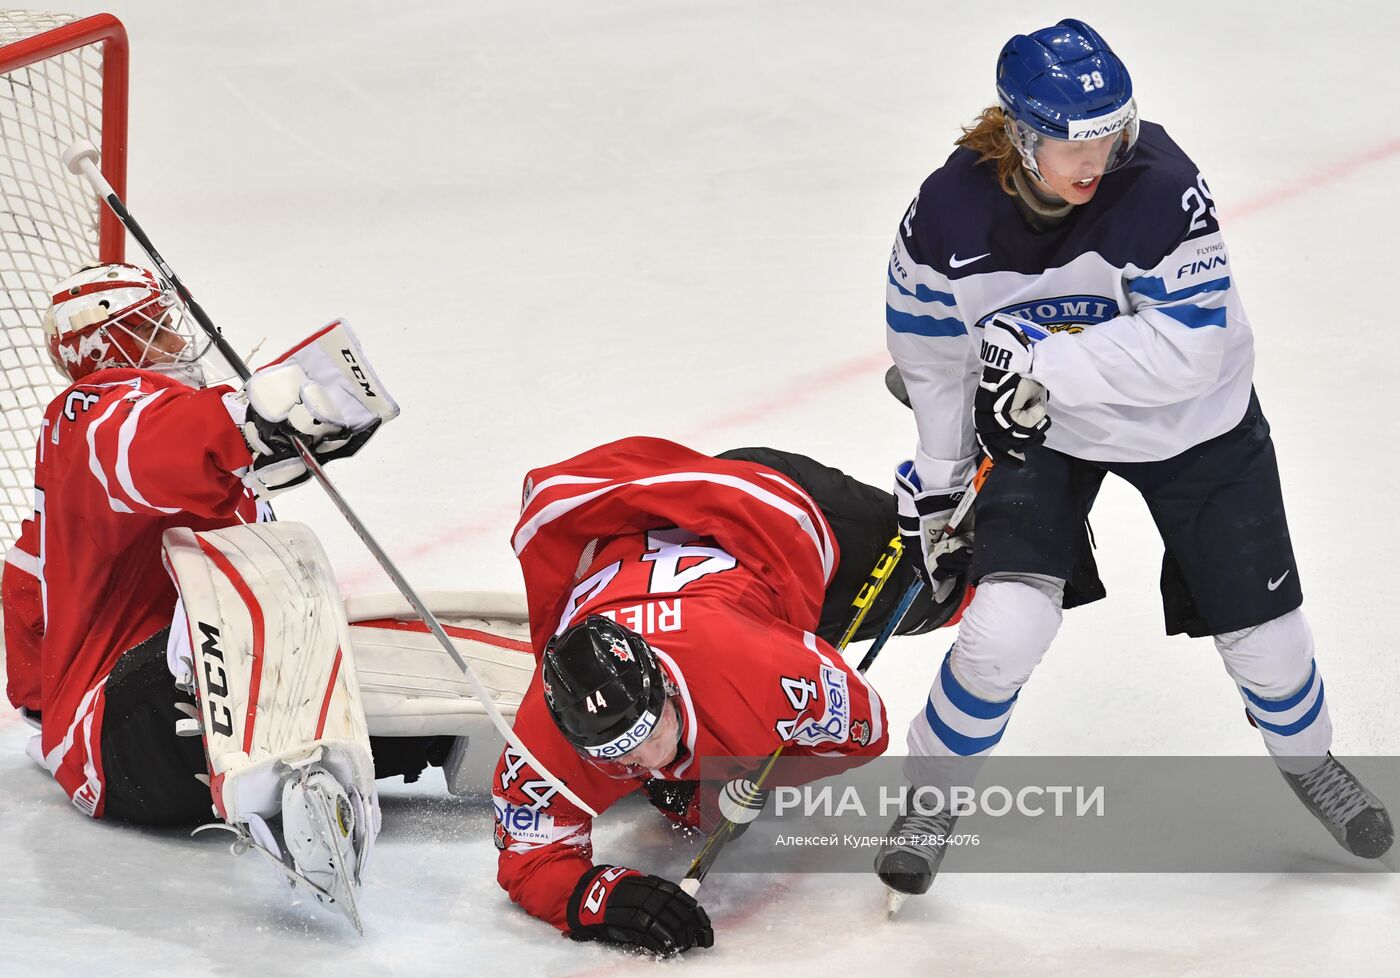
[{"x": 81, "y": 159}]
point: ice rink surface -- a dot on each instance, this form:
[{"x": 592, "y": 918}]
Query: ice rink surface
[{"x": 554, "y": 224}]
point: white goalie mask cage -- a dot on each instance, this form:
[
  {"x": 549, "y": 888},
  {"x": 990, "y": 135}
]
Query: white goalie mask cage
[{"x": 118, "y": 315}]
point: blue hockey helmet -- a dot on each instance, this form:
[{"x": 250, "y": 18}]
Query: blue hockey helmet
[{"x": 1065, "y": 83}]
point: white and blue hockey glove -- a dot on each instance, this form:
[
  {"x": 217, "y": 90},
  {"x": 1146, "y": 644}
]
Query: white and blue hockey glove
[
  {"x": 1009, "y": 408},
  {"x": 923, "y": 514}
]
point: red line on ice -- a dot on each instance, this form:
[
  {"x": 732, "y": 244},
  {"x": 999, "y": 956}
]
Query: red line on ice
[
  {"x": 824, "y": 383},
  {"x": 1316, "y": 180}
]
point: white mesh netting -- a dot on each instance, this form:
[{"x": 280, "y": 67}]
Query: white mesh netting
[{"x": 49, "y": 223}]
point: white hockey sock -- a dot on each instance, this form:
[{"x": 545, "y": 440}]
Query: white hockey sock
[
  {"x": 1282, "y": 689},
  {"x": 1004, "y": 633}
]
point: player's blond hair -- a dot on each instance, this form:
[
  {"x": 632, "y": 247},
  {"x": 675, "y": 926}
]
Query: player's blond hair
[{"x": 987, "y": 137}]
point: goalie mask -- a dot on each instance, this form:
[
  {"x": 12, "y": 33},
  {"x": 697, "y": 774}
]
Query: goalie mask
[
  {"x": 610, "y": 697},
  {"x": 120, "y": 315}
]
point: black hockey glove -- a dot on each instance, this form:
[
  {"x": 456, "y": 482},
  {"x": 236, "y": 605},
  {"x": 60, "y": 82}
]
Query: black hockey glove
[
  {"x": 622, "y": 906},
  {"x": 693, "y": 806},
  {"x": 1009, "y": 408},
  {"x": 676, "y": 800},
  {"x": 923, "y": 514},
  {"x": 944, "y": 560}
]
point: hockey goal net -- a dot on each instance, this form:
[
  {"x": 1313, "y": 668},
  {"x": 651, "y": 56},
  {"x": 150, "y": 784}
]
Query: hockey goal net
[{"x": 62, "y": 78}]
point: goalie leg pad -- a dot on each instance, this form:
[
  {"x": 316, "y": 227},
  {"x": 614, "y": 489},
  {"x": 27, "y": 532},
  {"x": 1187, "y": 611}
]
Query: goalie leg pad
[
  {"x": 273, "y": 665},
  {"x": 411, "y": 687}
]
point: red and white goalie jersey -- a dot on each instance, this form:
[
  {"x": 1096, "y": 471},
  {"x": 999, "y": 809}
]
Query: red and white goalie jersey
[
  {"x": 119, "y": 460},
  {"x": 722, "y": 566}
]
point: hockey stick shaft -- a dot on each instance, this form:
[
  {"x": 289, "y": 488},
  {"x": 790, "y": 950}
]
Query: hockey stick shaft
[
  {"x": 870, "y": 590},
  {"x": 81, "y": 158},
  {"x": 900, "y": 610},
  {"x": 864, "y": 600}
]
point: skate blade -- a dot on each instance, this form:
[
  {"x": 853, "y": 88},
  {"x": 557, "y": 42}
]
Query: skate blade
[
  {"x": 893, "y": 901},
  {"x": 289, "y": 876},
  {"x": 343, "y": 897}
]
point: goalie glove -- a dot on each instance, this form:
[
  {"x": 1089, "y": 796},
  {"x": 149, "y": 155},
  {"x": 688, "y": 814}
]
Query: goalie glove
[
  {"x": 622, "y": 906},
  {"x": 322, "y": 392},
  {"x": 1009, "y": 408},
  {"x": 946, "y": 560}
]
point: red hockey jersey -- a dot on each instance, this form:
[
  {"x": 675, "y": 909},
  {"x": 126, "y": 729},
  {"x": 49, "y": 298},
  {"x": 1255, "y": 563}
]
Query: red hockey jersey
[
  {"x": 722, "y": 566},
  {"x": 120, "y": 458}
]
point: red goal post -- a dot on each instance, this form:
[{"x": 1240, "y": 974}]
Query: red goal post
[{"x": 62, "y": 78}]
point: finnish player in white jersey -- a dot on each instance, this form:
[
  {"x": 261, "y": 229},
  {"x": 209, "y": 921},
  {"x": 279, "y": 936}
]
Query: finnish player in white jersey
[{"x": 1060, "y": 298}]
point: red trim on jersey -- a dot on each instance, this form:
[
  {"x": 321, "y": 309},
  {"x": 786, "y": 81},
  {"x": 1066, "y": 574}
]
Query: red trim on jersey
[
  {"x": 79, "y": 769},
  {"x": 456, "y": 631},
  {"x": 326, "y": 702},
  {"x": 217, "y": 558},
  {"x": 94, "y": 746}
]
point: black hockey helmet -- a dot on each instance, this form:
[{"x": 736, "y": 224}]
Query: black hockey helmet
[{"x": 603, "y": 686}]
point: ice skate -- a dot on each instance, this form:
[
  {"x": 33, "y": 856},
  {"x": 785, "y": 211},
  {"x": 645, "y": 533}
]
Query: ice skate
[
  {"x": 909, "y": 862},
  {"x": 325, "y": 836},
  {"x": 322, "y": 842},
  {"x": 1356, "y": 818}
]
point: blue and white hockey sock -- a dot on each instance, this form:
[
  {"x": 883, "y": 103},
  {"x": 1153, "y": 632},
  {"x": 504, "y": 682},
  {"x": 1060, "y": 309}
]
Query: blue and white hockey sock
[
  {"x": 1282, "y": 689},
  {"x": 955, "y": 723},
  {"x": 1297, "y": 729},
  {"x": 1003, "y": 636}
]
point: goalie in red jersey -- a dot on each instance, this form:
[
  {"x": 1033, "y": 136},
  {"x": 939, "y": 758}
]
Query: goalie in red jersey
[
  {"x": 684, "y": 608},
  {"x": 159, "y": 699}
]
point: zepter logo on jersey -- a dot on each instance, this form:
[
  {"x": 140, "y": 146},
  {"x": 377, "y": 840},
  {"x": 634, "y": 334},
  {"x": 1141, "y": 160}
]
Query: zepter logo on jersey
[
  {"x": 834, "y": 725},
  {"x": 523, "y": 823},
  {"x": 524, "y": 828},
  {"x": 1061, "y": 313}
]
